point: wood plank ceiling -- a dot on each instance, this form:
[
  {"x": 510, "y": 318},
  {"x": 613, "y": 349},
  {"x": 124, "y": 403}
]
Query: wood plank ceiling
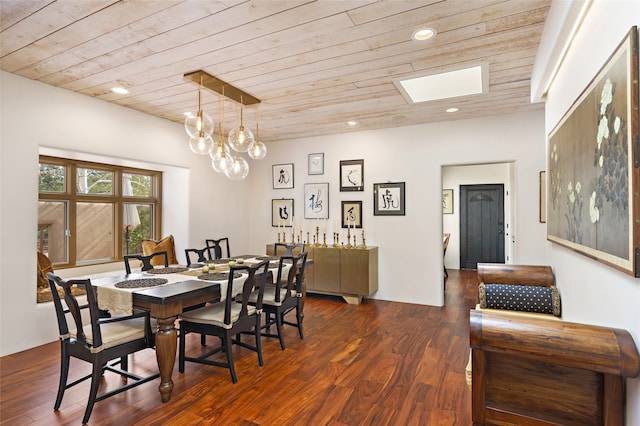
[{"x": 314, "y": 64}]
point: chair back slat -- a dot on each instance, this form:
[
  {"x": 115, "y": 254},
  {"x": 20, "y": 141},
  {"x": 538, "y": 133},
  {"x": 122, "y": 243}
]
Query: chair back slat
[
  {"x": 215, "y": 248},
  {"x": 288, "y": 248},
  {"x": 75, "y": 310},
  {"x": 202, "y": 254},
  {"x": 145, "y": 259},
  {"x": 257, "y": 275},
  {"x": 294, "y": 273}
]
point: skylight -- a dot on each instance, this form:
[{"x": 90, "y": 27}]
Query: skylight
[{"x": 444, "y": 85}]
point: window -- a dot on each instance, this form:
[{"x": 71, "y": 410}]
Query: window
[{"x": 92, "y": 213}]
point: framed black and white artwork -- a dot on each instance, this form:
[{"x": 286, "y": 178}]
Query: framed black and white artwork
[
  {"x": 352, "y": 175},
  {"x": 388, "y": 199},
  {"x": 316, "y": 200},
  {"x": 281, "y": 212},
  {"x": 316, "y": 163},
  {"x": 282, "y": 176}
]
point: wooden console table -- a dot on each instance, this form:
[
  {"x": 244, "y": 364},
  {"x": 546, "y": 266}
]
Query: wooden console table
[{"x": 350, "y": 273}]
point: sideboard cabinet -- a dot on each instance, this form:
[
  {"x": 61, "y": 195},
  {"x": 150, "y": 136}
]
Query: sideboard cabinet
[{"x": 350, "y": 273}]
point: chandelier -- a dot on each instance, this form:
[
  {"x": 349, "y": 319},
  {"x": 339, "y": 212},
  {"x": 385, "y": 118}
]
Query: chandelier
[{"x": 225, "y": 157}]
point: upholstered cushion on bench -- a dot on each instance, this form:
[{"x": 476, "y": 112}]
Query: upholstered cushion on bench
[{"x": 544, "y": 300}]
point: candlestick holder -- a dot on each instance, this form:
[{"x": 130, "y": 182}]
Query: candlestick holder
[
  {"x": 308, "y": 238},
  {"x": 336, "y": 239},
  {"x": 314, "y": 241},
  {"x": 316, "y": 238},
  {"x": 324, "y": 239},
  {"x": 348, "y": 238},
  {"x": 354, "y": 241},
  {"x": 278, "y": 237},
  {"x": 364, "y": 244},
  {"x": 293, "y": 236}
]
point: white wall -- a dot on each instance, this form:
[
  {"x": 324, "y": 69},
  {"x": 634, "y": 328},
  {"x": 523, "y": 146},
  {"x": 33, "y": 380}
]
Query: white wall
[
  {"x": 414, "y": 155},
  {"x": 592, "y": 292}
]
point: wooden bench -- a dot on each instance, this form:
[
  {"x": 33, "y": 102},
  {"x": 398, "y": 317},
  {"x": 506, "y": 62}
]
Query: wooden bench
[{"x": 536, "y": 371}]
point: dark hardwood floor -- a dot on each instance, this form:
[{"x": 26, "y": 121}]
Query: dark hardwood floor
[{"x": 379, "y": 363}]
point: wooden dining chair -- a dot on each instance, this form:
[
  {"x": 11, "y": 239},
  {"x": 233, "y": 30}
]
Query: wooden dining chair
[
  {"x": 215, "y": 248},
  {"x": 283, "y": 249},
  {"x": 227, "y": 320},
  {"x": 98, "y": 341},
  {"x": 283, "y": 296},
  {"x": 147, "y": 261}
]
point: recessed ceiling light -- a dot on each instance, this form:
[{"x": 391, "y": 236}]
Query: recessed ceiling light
[
  {"x": 423, "y": 34},
  {"x": 452, "y": 109},
  {"x": 120, "y": 90},
  {"x": 353, "y": 122}
]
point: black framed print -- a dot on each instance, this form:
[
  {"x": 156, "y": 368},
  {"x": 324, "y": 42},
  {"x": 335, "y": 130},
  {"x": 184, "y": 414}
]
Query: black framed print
[
  {"x": 281, "y": 212},
  {"x": 351, "y": 175},
  {"x": 388, "y": 199},
  {"x": 352, "y": 214},
  {"x": 282, "y": 176},
  {"x": 316, "y": 163},
  {"x": 316, "y": 200}
]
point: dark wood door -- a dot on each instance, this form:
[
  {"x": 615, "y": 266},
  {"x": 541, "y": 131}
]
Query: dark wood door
[{"x": 481, "y": 224}]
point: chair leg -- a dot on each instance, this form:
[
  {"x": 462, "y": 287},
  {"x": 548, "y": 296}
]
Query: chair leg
[
  {"x": 299, "y": 319},
  {"x": 95, "y": 382},
  {"x": 227, "y": 346},
  {"x": 258, "y": 341},
  {"x": 181, "y": 350},
  {"x": 279, "y": 328},
  {"x": 64, "y": 374}
]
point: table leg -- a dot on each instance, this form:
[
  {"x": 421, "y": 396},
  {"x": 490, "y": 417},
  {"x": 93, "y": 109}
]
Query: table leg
[{"x": 166, "y": 343}]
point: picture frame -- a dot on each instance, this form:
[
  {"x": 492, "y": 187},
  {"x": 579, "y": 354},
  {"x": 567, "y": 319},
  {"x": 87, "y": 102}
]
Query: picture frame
[
  {"x": 389, "y": 199},
  {"x": 316, "y": 200},
  {"x": 447, "y": 201},
  {"x": 316, "y": 164},
  {"x": 282, "y": 175},
  {"x": 351, "y": 175},
  {"x": 281, "y": 212},
  {"x": 543, "y": 197},
  {"x": 351, "y": 214},
  {"x": 592, "y": 166}
]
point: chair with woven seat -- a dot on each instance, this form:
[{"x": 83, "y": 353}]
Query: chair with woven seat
[
  {"x": 147, "y": 261},
  {"x": 203, "y": 255},
  {"x": 284, "y": 296},
  {"x": 98, "y": 341},
  {"x": 283, "y": 249},
  {"x": 227, "y": 320},
  {"x": 215, "y": 248}
]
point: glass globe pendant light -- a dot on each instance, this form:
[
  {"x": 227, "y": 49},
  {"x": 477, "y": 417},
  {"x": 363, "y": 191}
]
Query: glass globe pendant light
[
  {"x": 221, "y": 159},
  {"x": 202, "y": 145},
  {"x": 258, "y": 150},
  {"x": 239, "y": 170},
  {"x": 240, "y": 138},
  {"x": 200, "y": 128}
]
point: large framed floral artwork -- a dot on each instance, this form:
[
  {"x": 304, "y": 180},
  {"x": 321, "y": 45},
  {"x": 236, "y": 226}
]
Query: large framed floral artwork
[{"x": 592, "y": 173}]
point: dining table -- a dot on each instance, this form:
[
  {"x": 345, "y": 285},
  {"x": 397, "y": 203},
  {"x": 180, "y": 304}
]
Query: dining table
[{"x": 165, "y": 292}]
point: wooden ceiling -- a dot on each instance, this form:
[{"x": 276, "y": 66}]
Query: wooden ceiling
[{"x": 314, "y": 64}]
